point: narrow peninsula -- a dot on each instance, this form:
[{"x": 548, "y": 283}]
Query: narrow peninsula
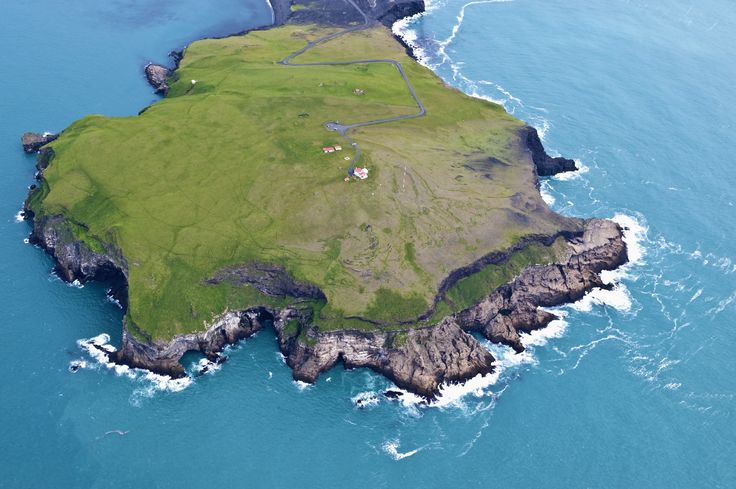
[{"x": 313, "y": 178}]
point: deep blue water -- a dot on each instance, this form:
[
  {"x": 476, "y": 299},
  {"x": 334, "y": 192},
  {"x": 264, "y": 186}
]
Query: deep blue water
[{"x": 634, "y": 389}]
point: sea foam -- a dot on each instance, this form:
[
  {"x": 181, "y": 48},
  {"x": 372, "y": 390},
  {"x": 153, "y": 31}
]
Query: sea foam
[
  {"x": 392, "y": 448},
  {"x": 618, "y": 296},
  {"x": 99, "y": 348}
]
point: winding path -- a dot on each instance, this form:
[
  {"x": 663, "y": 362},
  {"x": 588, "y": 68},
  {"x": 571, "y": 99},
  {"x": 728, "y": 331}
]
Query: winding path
[{"x": 344, "y": 128}]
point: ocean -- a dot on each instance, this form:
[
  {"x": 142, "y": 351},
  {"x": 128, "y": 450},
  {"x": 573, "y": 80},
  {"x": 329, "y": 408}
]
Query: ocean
[{"x": 634, "y": 387}]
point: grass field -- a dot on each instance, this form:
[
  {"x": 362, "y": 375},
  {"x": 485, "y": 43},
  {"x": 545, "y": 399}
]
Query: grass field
[{"x": 230, "y": 170}]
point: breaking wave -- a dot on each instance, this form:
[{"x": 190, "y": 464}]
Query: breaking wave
[
  {"x": 391, "y": 447},
  {"x": 99, "y": 349}
]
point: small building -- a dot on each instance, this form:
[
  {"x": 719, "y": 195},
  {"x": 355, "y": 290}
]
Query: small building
[
  {"x": 361, "y": 173},
  {"x": 328, "y": 149},
  {"x": 338, "y": 147}
]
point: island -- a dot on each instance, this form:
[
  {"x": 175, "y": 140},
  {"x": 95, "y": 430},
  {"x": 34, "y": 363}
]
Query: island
[{"x": 312, "y": 178}]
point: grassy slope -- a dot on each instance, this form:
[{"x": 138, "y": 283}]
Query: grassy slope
[{"x": 230, "y": 170}]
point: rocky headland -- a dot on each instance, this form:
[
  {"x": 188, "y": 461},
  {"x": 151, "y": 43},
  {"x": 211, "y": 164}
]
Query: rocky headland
[
  {"x": 33, "y": 141},
  {"x": 157, "y": 76},
  {"x": 420, "y": 357}
]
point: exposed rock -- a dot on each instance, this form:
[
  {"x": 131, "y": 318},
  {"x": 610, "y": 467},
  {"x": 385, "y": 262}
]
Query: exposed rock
[
  {"x": 281, "y": 10},
  {"x": 513, "y": 308},
  {"x": 340, "y": 12},
  {"x": 545, "y": 164},
  {"x": 157, "y": 77},
  {"x": 389, "y": 12},
  {"x": 176, "y": 57},
  {"x": 44, "y": 157},
  {"x": 271, "y": 280},
  {"x": 74, "y": 259},
  {"x": 33, "y": 141},
  {"x": 163, "y": 357},
  {"x": 418, "y": 360}
]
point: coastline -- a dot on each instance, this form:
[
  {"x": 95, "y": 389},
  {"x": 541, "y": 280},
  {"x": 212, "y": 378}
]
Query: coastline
[{"x": 358, "y": 349}]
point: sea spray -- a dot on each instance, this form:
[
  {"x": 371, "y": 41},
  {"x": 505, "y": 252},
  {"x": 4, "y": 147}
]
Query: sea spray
[
  {"x": 391, "y": 447},
  {"x": 99, "y": 348}
]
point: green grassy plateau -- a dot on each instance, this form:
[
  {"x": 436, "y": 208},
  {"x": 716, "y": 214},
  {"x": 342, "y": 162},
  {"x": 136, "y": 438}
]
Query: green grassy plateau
[{"x": 230, "y": 170}]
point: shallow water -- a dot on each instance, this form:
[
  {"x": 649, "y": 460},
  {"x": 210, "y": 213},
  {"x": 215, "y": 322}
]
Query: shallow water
[{"x": 634, "y": 387}]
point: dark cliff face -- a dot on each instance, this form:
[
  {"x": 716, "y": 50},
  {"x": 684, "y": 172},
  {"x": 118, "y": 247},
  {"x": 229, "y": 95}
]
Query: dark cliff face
[
  {"x": 388, "y": 12},
  {"x": 75, "y": 260},
  {"x": 340, "y": 12},
  {"x": 545, "y": 164}
]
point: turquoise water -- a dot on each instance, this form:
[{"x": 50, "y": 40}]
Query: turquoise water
[{"x": 635, "y": 388}]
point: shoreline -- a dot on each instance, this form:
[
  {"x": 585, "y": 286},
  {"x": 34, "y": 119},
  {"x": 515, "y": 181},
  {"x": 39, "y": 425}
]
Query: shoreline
[{"x": 352, "y": 348}]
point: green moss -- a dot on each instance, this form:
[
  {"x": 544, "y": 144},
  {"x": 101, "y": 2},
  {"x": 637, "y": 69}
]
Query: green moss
[
  {"x": 37, "y": 196},
  {"x": 399, "y": 339},
  {"x": 291, "y": 328},
  {"x": 81, "y": 233}
]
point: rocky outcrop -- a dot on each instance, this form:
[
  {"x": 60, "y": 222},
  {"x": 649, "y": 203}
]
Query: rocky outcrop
[
  {"x": 514, "y": 307},
  {"x": 163, "y": 356},
  {"x": 419, "y": 360},
  {"x": 341, "y": 13},
  {"x": 546, "y": 165},
  {"x": 389, "y": 12},
  {"x": 157, "y": 77},
  {"x": 44, "y": 157},
  {"x": 281, "y": 10},
  {"x": 75, "y": 260},
  {"x": 33, "y": 141}
]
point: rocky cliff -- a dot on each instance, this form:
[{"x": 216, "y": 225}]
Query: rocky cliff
[
  {"x": 157, "y": 77},
  {"x": 33, "y": 141},
  {"x": 545, "y": 164},
  {"x": 418, "y": 359},
  {"x": 163, "y": 357},
  {"x": 514, "y": 307}
]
